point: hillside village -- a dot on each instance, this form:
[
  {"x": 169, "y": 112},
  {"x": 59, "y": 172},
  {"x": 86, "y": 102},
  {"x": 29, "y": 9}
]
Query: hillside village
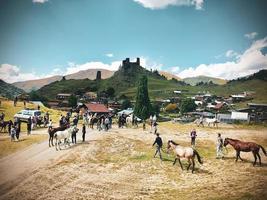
[{"x": 207, "y": 103}]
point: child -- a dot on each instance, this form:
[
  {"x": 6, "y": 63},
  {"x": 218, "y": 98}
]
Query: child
[{"x": 13, "y": 133}]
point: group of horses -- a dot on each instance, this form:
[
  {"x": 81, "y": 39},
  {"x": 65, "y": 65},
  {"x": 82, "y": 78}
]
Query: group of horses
[
  {"x": 190, "y": 153},
  {"x": 61, "y": 134}
]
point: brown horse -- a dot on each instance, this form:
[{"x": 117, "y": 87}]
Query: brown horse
[
  {"x": 52, "y": 132},
  {"x": 246, "y": 147}
]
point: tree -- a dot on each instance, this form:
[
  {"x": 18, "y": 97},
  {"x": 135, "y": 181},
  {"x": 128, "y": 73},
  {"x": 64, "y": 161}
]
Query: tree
[
  {"x": 142, "y": 108},
  {"x": 72, "y": 101},
  {"x": 187, "y": 105},
  {"x": 110, "y": 91},
  {"x": 126, "y": 104},
  {"x": 98, "y": 75},
  {"x": 155, "y": 109}
]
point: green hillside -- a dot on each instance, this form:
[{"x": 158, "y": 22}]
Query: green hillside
[
  {"x": 8, "y": 90},
  {"x": 125, "y": 80},
  {"x": 204, "y": 79}
]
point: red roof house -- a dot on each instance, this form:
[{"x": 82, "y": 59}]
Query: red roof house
[{"x": 96, "y": 108}]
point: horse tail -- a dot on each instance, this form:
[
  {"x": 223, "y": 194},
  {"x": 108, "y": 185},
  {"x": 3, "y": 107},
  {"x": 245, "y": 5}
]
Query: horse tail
[
  {"x": 264, "y": 151},
  {"x": 198, "y": 156}
]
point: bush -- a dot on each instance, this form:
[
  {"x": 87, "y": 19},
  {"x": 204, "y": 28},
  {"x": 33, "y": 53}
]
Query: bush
[{"x": 172, "y": 107}]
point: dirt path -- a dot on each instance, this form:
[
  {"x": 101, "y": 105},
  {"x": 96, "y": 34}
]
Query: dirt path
[
  {"x": 119, "y": 164},
  {"x": 15, "y": 167}
]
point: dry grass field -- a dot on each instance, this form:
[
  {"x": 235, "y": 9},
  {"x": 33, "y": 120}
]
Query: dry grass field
[{"x": 119, "y": 164}]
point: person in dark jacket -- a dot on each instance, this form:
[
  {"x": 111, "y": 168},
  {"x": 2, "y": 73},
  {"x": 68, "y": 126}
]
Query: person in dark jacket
[
  {"x": 75, "y": 121},
  {"x": 29, "y": 126},
  {"x": 159, "y": 143},
  {"x": 83, "y": 132}
]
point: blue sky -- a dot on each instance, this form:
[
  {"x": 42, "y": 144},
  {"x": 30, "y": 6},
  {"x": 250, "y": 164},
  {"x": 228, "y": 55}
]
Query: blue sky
[{"x": 40, "y": 38}]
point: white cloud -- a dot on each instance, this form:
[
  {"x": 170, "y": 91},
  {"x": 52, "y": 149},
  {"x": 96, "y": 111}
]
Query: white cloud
[
  {"x": 232, "y": 54},
  {"x": 39, "y": 1},
  {"x": 149, "y": 64},
  {"x": 161, "y": 4},
  {"x": 73, "y": 68},
  {"x": 251, "y": 35},
  {"x": 11, "y": 73},
  {"x": 175, "y": 69},
  {"x": 251, "y": 61},
  {"x": 110, "y": 55}
]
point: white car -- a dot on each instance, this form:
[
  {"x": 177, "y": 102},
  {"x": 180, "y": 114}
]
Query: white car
[{"x": 24, "y": 115}]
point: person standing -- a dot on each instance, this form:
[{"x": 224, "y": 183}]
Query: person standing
[
  {"x": 83, "y": 132},
  {"x": 75, "y": 121},
  {"x": 10, "y": 124},
  {"x": 24, "y": 103},
  {"x": 29, "y": 126},
  {"x": 159, "y": 143},
  {"x": 17, "y": 130},
  {"x": 193, "y": 135},
  {"x": 155, "y": 127},
  {"x": 219, "y": 146},
  {"x": 73, "y": 137},
  {"x": 106, "y": 123},
  {"x": 13, "y": 133}
]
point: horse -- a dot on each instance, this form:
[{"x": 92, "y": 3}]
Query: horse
[
  {"x": 93, "y": 121},
  {"x": 213, "y": 121},
  {"x": 246, "y": 147},
  {"x": 184, "y": 152},
  {"x": 52, "y": 132},
  {"x": 3, "y": 125},
  {"x": 65, "y": 135}
]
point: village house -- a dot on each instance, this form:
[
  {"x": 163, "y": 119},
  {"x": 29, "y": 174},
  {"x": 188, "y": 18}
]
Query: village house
[{"x": 63, "y": 96}]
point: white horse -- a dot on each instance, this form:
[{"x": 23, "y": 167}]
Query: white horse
[
  {"x": 184, "y": 152},
  {"x": 213, "y": 121},
  {"x": 131, "y": 119},
  {"x": 209, "y": 121},
  {"x": 65, "y": 136}
]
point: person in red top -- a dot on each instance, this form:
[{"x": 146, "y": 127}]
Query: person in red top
[{"x": 193, "y": 135}]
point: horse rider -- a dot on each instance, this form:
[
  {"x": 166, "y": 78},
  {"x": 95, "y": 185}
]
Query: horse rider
[
  {"x": 193, "y": 136},
  {"x": 219, "y": 146},
  {"x": 159, "y": 143}
]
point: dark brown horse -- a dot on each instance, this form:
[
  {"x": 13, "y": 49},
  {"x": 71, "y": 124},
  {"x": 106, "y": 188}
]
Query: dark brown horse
[
  {"x": 246, "y": 147},
  {"x": 3, "y": 125},
  {"x": 52, "y": 132}
]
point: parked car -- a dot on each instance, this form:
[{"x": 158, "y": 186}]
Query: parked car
[{"x": 24, "y": 115}]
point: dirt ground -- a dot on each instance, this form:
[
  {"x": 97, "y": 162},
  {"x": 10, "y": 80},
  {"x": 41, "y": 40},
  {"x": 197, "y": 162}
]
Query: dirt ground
[{"x": 119, "y": 164}]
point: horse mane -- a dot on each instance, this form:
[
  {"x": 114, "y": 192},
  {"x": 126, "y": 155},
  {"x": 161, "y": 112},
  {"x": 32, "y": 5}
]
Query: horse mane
[
  {"x": 173, "y": 142},
  {"x": 232, "y": 139}
]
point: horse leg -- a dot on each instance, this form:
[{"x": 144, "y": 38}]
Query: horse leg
[
  {"x": 189, "y": 164},
  {"x": 174, "y": 161},
  {"x": 237, "y": 155},
  {"x": 56, "y": 144},
  {"x": 193, "y": 168},
  {"x": 259, "y": 157},
  {"x": 240, "y": 157},
  {"x": 180, "y": 163},
  {"x": 255, "y": 157},
  {"x": 49, "y": 141}
]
